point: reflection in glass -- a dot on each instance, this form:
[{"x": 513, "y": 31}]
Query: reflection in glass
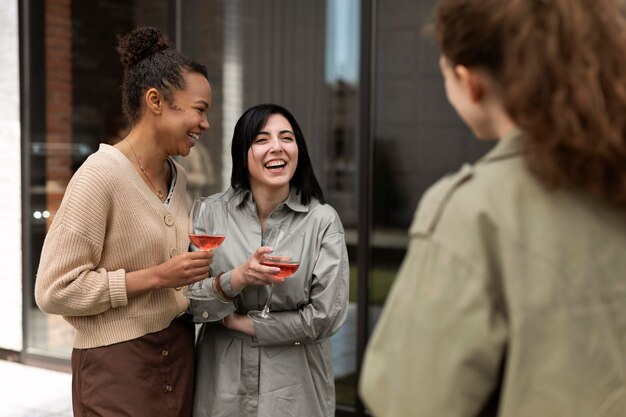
[
  {"x": 418, "y": 137},
  {"x": 75, "y": 104}
]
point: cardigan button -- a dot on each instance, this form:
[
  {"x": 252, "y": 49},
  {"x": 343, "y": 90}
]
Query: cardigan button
[
  {"x": 169, "y": 220},
  {"x": 205, "y": 314},
  {"x": 173, "y": 252}
]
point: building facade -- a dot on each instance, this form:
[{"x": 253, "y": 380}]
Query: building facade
[{"x": 361, "y": 77}]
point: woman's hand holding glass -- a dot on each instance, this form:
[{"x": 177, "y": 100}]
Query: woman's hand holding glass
[
  {"x": 207, "y": 230},
  {"x": 184, "y": 269},
  {"x": 253, "y": 272},
  {"x": 286, "y": 254}
]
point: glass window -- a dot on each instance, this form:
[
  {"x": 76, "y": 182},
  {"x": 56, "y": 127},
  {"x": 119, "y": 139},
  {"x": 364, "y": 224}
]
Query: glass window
[
  {"x": 301, "y": 54},
  {"x": 418, "y": 137},
  {"x": 75, "y": 105}
]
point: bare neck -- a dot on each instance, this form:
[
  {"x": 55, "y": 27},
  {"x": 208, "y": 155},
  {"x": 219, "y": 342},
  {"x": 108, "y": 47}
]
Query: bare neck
[
  {"x": 266, "y": 200},
  {"x": 141, "y": 145},
  {"x": 503, "y": 124}
]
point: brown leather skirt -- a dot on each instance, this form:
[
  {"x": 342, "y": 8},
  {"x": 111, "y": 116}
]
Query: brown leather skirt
[{"x": 149, "y": 376}]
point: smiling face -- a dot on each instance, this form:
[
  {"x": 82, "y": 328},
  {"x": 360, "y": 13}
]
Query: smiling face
[
  {"x": 184, "y": 119},
  {"x": 273, "y": 156}
]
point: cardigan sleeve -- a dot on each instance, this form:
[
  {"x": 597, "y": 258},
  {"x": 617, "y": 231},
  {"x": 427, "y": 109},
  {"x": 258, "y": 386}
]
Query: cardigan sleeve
[{"x": 69, "y": 281}]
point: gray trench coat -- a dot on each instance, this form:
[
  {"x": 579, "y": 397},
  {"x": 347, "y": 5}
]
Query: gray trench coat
[{"x": 286, "y": 370}]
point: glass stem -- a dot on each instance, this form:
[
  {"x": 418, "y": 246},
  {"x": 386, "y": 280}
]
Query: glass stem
[{"x": 266, "y": 309}]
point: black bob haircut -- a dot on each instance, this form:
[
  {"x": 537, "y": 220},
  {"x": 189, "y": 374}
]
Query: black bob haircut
[{"x": 246, "y": 129}]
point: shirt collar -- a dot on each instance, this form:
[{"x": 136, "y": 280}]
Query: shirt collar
[
  {"x": 293, "y": 200},
  {"x": 238, "y": 196}
]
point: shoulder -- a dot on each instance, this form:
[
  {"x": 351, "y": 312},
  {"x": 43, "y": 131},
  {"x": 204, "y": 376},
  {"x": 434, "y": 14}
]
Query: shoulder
[
  {"x": 487, "y": 190},
  {"x": 229, "y": 197},
  {"x": 325, "y": 216},
  {"x": 478, "y": 205},
  {"x": 90, "y": 191},
  {"x": 99, "y": 170},
  {"x": 104, "y": 162},
  {"x": 436, "y": 199}
]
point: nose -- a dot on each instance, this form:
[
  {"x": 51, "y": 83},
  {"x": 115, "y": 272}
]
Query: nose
[
  {"x": 204, "y": 123},
  {"x": 275, "y": 145}
]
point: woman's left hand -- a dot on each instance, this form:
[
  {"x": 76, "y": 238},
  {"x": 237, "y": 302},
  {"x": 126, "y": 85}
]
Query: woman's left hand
[
  {"x": 253, "y": 272},
  {"x": 239, "y": 322}
]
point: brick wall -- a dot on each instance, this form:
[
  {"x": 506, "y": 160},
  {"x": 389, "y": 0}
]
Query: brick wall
[{"x": 58, "y": 81}]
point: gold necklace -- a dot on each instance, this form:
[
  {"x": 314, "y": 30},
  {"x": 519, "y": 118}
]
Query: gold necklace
[{"x": 157, "y": 191}]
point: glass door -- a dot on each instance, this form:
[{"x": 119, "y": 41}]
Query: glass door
[
  {"x": 73, "y": 82},
  {"x": 417, "y": 136}
]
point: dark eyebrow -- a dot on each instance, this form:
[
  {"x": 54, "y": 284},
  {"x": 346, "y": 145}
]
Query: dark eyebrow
[
  {"x": 203, "y": 102},
  {"x": 263, "y": 132}
]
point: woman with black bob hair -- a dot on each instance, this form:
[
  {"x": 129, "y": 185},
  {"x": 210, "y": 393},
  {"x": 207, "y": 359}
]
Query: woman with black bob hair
[
  {"x": 303, "y": 180},
  {"x": 251, "y": 368}
]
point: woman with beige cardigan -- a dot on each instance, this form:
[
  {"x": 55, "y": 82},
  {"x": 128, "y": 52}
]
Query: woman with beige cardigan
[{"x": 115, "y": 256}]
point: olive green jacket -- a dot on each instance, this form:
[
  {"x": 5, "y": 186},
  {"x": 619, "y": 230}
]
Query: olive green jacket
[{"x": 511, "y": 301}]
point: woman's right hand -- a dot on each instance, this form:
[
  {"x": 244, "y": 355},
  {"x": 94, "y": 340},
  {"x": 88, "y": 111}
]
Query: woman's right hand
[
  {"x": 184, "y": 269},
  {"x": 176, "y": 272},
  {"x": 253, "y": 273}
]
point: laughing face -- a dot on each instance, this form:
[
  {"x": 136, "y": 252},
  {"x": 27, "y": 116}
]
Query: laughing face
[
  {"x": 273, "y": 156},
  {"x": 186, "y": 116}
]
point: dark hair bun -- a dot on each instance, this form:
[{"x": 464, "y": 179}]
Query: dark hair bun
[{"x": 140, "y": 44}]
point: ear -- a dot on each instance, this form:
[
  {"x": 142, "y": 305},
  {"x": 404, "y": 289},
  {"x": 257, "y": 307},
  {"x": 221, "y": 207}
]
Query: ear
[
  {"x": 154, "y": 101},
  {"x": 471, "y": 81}
]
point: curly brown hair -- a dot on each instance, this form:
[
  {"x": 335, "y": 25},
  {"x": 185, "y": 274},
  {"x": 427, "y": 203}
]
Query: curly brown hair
[
  {"x": 561, "y": 66},
  {"x": 150, "y": 61}
]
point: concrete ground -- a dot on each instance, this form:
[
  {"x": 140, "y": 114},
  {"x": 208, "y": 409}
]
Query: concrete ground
[{"x": 29, "y": 391}]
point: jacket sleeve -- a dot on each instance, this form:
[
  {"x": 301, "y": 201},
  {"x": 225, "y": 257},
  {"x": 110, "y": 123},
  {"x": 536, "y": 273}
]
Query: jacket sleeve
[
  {"x": 69, "y": 281},
  {"x": 204, "y": 311},
  {"x": 440, "y": 343},
  {"x": 328, "y": 298}
]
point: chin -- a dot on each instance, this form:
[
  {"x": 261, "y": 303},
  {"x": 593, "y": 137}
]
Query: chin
[{"x": 184, "y": 150}]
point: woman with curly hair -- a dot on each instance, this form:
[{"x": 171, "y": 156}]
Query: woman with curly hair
[
  {"x": 115, "y": 257},
  {"x": 512, "y": 297}
]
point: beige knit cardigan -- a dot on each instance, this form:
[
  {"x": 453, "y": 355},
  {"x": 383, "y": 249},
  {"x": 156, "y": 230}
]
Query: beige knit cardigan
[{"x": 110, "y": 222}]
